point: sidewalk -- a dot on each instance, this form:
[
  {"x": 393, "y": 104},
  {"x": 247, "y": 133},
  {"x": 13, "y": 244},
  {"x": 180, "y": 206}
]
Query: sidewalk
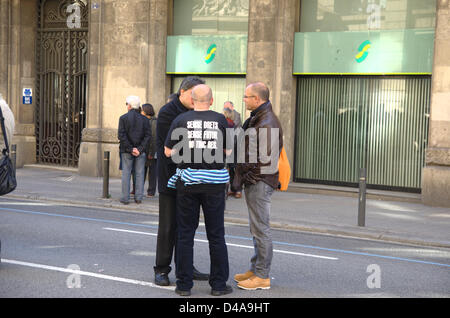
[{"x": 406, "y": 222}]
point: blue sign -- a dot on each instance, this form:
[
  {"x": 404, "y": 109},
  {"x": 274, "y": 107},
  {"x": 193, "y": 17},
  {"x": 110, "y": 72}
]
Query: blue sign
[{"x": 27, "y": 96}]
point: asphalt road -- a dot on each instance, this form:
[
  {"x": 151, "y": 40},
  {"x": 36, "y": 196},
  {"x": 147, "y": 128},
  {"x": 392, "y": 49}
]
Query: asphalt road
[{"x": 67, "y": 251}]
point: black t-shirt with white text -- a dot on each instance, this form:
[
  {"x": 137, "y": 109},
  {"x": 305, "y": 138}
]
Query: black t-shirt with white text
[{"x": 203, "y": 135}]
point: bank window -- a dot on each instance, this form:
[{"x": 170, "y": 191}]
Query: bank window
[
  {"x": 210, "y": 17},
  {"x": 362, "y": 15}
]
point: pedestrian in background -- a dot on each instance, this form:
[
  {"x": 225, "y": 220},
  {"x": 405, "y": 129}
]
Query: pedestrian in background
[
  {"x": 259, "y": 186},
  {"x": 234, "y": 121},
  {"x": 236, "y": 116},
  {"x": 229, "y": 116},
  {"x": 134, "y": 135},
  {"x": 167, "y": 224},
  {"x": 230, "y": 162},
  {"x": 150, "y": 164}
]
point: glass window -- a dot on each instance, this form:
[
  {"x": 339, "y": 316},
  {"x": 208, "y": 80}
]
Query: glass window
[
  {"x": 362, "y": 15},
  {"x": 224, "y": 89},
  {"x": 197, "y": 17},
  {"x": 345, "y": 123}
]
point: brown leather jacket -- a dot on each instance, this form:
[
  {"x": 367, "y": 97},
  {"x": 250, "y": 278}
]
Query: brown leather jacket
[{"x": 250, "y": 173}]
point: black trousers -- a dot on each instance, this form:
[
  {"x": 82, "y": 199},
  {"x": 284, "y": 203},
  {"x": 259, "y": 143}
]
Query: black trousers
[
  {"x": 152, "y": 173},
  {"x": 232, "y": 171},
  {"x": 188, "y": 213},
  {"x": 167, "y": 228}
]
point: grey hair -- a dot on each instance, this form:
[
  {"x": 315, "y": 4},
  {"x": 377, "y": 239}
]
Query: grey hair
[
  {"x": 134, "y": 101},
  {"x": 261, "y": 90}
]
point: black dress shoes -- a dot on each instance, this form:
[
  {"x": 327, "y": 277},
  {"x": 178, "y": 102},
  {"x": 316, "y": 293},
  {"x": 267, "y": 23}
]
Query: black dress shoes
[
  {"x": 228, "y": 290},
  {"x": 183, "y": 292},
  {"x": 199, "y": 276},
  {"x": 162, "y": 279}
]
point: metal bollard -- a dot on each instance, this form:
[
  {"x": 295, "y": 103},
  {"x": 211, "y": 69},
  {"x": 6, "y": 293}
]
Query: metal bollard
[
  {"x": 106, "y": 174},
  {"x": 13, "y": 155},
  {"x": 362, "y": 198}
]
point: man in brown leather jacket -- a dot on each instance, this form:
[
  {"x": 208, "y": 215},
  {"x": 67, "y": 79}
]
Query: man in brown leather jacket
[{"x": 259, "y": 175}]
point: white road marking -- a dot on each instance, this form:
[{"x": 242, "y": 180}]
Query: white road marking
[
  {"x": 26, "y": 203},
  {"x": 128, "y": 231},
  {"x": 90, "y": 274},
  {"x": 228, "y": 244}
]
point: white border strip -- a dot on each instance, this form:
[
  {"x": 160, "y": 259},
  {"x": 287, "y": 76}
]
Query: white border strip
[
  {"x": 228, "y": 244},
  {"x": 90, "y": 274}
]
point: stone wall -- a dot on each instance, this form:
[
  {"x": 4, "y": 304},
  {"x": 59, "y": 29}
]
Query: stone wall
[
  {"x": 127, "y": 41},
  {"x": 272, "y": 25},
  {"x": 436, "y": 174},
  {"x": 18, "y": 22}
]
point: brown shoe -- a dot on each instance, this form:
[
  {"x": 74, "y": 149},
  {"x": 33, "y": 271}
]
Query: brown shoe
[
  {"x": 240, "y": 277},
  {"x": 254, "y": 283},
  {"x": 238, "y": 195}
]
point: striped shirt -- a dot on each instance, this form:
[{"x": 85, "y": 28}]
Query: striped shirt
[{"x": 199, "y": 176}]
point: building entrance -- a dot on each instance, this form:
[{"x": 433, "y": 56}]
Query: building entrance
[{"x": 61, "y": 83}]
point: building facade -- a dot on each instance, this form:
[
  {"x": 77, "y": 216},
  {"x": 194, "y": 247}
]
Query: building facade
[{"x": 355, "y": 83}]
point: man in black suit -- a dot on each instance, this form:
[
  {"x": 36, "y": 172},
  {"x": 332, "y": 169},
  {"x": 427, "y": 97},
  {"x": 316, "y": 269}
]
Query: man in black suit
[{"x": 166, "y": 169}]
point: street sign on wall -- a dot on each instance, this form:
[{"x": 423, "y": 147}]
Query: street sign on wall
[
  {"x": 27, "y": 96},
  {"x": 389, "y": 52},
  {"x": 218, "y": 54}
]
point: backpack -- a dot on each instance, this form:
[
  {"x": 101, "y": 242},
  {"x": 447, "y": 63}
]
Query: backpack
[{"x": 284, "y": 171}]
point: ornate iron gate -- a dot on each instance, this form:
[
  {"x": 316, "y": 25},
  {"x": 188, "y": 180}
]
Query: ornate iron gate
[{"x": 61, "y": 81}]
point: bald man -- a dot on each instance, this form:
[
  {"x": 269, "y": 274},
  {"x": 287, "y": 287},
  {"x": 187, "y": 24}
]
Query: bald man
[
  {"x": 259, "y": 183},
  {"x": 200, "y": 181}
]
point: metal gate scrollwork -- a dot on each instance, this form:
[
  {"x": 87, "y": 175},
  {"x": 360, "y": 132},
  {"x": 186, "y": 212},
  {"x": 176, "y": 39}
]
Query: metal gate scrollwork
[{"x": 61, "y": 82}]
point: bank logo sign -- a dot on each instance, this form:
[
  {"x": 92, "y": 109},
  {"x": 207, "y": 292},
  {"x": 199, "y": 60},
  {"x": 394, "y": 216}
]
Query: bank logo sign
[
  {"x": 211, "y": 53},
  {"x": 207, "y": 54},
  {"x": 353, "y": 53},
  {"x": 362, "y": 49}
]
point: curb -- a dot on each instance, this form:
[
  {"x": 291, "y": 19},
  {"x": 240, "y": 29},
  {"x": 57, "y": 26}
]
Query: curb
[{"x": 320, "y": 229}]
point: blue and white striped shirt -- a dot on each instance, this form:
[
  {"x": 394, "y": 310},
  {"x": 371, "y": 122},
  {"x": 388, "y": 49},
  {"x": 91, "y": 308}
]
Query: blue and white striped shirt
[{"x": 199, "y": 176}]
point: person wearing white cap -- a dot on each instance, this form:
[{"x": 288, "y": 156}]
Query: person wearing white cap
[{"x": 134, "y": 135}]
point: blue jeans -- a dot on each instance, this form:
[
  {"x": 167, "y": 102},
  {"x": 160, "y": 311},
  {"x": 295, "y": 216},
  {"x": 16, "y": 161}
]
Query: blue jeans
[
  {"x": 128, "y": 162},
  {"x": 258, "y": 197}
]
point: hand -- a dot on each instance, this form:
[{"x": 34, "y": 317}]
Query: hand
[
  {"x": 135, "y": 152},
  {"x": 168, "y": 152}
]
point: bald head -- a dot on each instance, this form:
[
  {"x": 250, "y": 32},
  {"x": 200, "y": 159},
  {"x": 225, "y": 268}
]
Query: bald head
[
  {"x": 261, "y": 90},
  {"x": 256, "y": 94},
  {"x": 202, "y": 97}
]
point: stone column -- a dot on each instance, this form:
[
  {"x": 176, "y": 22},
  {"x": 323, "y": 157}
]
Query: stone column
[
  {"x": 4, "y": 47},
  {"x": 18, "y": 22},
  {"x": 436, "y": 174},
  {"x": 123, "y": 39},
  {"x": 272, "y": 25},
  {"x": 158, "y": 88}
]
